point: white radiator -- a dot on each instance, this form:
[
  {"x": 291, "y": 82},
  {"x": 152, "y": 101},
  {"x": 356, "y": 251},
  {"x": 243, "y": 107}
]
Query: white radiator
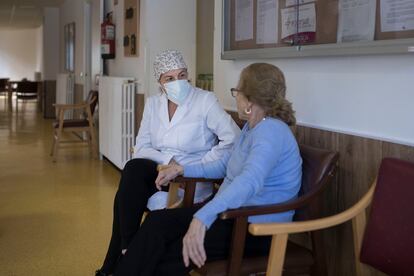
[
  {"x": 117, "y": 119},
  {"x": 65, "y": 92}
]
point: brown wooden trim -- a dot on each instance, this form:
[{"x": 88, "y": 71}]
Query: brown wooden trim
[{"x": 139, "y": 110}]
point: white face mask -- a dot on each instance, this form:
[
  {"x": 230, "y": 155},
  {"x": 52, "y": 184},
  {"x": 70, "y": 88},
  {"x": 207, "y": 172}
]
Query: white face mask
[{"x": 177, "y": 91}]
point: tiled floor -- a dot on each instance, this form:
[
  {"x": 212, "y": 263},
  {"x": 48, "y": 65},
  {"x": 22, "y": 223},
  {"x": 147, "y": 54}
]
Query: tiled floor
[{"x": 55, "y": 218}]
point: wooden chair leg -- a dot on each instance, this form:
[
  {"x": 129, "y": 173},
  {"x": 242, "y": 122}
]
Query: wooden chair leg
[
  {"x": 53, "y": 143},
  {"x": 237, "y": 246},
  {"x": 94, "y": 145},
  {"x": 92, "y": 133},
  {"x": 358, "y": 227},
  {"x": 88, "y": 136},
  {"x": 56, "y": 147},
  {"x": 277, "y": 255},
  {"x": 58, "y": 135}
]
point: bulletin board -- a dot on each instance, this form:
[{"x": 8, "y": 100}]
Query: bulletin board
[
  {"x": 325, "y": 37},
  {"x": 131, "y": 28}
]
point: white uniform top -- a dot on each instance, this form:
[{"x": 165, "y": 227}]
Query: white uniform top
[{"x": 199, "y": 131}]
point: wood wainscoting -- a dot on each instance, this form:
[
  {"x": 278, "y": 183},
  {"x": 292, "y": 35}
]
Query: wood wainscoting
[
  {"x": 48, "y": 99},
  {"x": 359, "y": 160},
  {"x": 139, "y": 110}
]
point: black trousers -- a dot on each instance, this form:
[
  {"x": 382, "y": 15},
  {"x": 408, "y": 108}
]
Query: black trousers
[
  {"x": 136, "y": 186},
  {"x": 157, "y": 246}
]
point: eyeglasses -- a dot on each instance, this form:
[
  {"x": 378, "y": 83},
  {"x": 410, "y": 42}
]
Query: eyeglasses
[{"x": 234, "y": 92}]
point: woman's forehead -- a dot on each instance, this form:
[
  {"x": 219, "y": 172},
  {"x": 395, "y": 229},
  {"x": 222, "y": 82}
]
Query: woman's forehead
[{"x": 174, "y": 72}]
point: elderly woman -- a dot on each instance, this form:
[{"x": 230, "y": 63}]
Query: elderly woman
[
  {"x": 264, "y": 168},
  {"x": 180, "y": 125}
]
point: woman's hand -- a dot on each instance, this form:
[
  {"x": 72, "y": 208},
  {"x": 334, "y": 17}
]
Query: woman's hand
[
  {"x": 193, "y": 244},
  {"x": 167, "y": 173}
]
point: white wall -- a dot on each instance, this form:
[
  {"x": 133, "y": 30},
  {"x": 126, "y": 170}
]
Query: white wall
[
  {"x": 164, "y": 24},
  {"x": 51, "y": 43},
  {"x": 370, "y": 96},
  {"x": 19, "y": 53}
]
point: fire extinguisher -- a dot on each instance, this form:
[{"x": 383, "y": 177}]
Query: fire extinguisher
[{"x": 108, "y": 38}]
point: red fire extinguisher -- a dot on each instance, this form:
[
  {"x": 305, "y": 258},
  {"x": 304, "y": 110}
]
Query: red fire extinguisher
[{"x": 108, "y": 39}]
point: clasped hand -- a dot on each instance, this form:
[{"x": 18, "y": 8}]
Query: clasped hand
[{"x": 167, "y": 173}]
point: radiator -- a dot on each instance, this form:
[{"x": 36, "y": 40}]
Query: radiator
[
  {"x": 128, "y": 121},
  {"x": 65, "y": 92},
  {"x": 117, "y": 119}
]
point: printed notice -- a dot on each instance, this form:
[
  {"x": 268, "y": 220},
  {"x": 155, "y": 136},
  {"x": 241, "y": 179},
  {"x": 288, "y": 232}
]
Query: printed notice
[
  {"x": 397, "y": 15},
  {"x": 356, "y": 20},
  {"x": 267, "y": 18},
  {"x": 299, "y": 26},
  {"x": 297, "y": 2},
  {"x": 244, "y": 20}
]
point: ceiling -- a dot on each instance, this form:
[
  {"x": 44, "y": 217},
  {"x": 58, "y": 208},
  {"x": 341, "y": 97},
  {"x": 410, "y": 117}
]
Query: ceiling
[{"x": 23, "y": 14}]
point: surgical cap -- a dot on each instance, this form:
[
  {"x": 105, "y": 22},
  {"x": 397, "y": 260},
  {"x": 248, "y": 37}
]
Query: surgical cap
[{"x": 167, "y": 61}]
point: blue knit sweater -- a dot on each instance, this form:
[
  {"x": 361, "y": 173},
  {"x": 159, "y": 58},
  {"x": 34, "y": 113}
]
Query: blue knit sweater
[{"x": 264, "y": 167}]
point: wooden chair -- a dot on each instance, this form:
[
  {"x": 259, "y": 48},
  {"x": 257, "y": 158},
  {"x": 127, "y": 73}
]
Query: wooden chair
[
  {"x": 76, "y": 125},
  {"x": 387, "y": 243},
  {"x": 318, "y": 169},
  {"x": 26, "y": 90}
]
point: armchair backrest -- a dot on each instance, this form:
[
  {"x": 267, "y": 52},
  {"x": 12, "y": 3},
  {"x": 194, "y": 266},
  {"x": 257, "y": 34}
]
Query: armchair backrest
[
  {"x": 27, "y": 87},
  {"x": 388, "y": 243},
  {"x": 317, "y": 170}
]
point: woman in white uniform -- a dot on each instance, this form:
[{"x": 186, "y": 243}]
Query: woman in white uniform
[{"x": 181, "y": 124}]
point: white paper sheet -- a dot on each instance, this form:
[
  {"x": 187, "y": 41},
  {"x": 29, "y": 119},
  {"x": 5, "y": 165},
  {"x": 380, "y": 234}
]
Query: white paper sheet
[
  {"x": 267, "y": 18},
  {"x": 356, "y": 20},
  {"x": 244, "y": 19},
  {"x": 307, "y": 20},
  {"x": 297, "y": 2},
  {"x": 397, "y": 15}
]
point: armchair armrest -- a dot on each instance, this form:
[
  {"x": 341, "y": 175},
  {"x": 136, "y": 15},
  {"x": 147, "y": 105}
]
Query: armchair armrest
[
  {"x": 189, "y": 186},
  {"x": 247, "y": 211},
  {"x": 316, "y": 224}
]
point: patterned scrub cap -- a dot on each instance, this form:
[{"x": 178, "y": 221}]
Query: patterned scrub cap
[{"x": 167, "y": 61}]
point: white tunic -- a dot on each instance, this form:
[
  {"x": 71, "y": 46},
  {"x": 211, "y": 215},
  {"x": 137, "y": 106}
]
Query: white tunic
[{"x": 199, "y": 131}]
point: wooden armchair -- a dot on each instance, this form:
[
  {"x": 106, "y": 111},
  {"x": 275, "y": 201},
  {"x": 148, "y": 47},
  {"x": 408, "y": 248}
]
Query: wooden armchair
[
  {"x": 318, "y": 169},
  {"x": 387, "y": 243},
  {"x": 75, "y": 125}
]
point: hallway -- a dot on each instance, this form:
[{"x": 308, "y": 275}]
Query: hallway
[{"x": 55, "y": 218}]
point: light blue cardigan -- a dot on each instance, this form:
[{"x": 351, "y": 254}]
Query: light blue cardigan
[{"x": 264, "y": 167}]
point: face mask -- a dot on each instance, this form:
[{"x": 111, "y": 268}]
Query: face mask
[{"x": 177, "y": 91}]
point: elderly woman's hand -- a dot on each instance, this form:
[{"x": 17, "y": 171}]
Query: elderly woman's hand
[
  {"x": 193, "y": 244},
  {"x": 167, "y": 173}
]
